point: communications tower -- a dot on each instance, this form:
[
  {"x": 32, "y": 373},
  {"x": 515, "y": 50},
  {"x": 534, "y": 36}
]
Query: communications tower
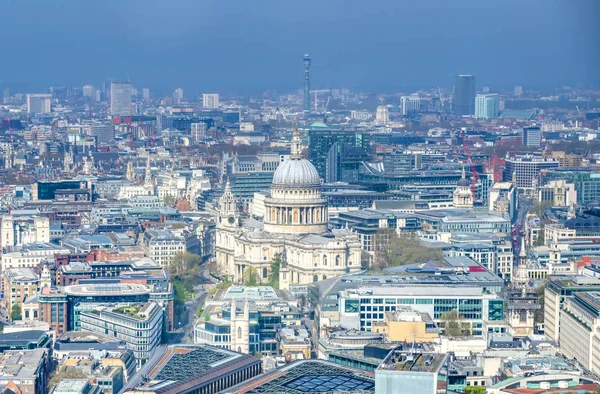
[{"x": 307, "y": 61}]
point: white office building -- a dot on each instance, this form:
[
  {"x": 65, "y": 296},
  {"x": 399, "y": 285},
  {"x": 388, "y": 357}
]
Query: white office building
[
  {"x": 120, "y": 98},
  {"x": 39, "y": 103},
  {"x": 210, "y": 100},
  {"x": 410, "y": 103}
]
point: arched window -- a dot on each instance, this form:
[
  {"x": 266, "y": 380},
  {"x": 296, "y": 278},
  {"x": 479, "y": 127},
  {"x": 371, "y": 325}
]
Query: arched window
[
  {"x": 26, "y": 314},
  {"x": 337, "y": 260},
  {"x": 324, "y": 259},
  {"x": 324, "y": 277},
  {"x": 316, "y": 278},
  {"x": 265, "y": 273},
  {"x": 239, "y": 332}
]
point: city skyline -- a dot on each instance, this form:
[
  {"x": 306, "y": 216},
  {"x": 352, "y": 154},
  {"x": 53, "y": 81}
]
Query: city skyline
[{"x": 245, "y": 60}]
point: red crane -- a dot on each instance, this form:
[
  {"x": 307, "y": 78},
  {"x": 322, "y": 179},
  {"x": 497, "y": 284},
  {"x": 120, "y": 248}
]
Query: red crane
[{"x": 475, "y": 177}]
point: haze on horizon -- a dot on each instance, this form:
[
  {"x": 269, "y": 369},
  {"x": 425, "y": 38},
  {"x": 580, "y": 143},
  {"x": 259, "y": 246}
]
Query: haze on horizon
[{"x": 251, "y": 46}]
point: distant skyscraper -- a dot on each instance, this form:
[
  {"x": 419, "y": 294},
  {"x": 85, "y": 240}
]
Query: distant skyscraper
[
  {"x": 409, "y": 103},
  {"x": 39, "y": 103},
  {"x": 89, "y": 91},
  {"x": 120, "y": 98},
  {"x": 487, "y": 106},
  {"x": 198, "y": 131},
  {"x": 464, "y": 95},
  {"x": 518, "y": 90},
  {"x": 532, "y": 136},
  {"x": 211, "y": 100},
  {"x": 145, "y": 94},
  {"x": 307, "y": 61},
  {"x": 178, "y": 95},
  {"x": 382, "y": 116}
]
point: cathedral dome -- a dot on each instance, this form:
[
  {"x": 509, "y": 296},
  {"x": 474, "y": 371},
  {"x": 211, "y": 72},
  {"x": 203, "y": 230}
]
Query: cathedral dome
[
  {"x": 296, "y": 172},
  {"x": 463, "y": 182}
]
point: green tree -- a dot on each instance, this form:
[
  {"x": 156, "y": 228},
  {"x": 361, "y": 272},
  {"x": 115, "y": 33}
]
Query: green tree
[
  {"x": 275, "y": 267},
  {"x": 539, "y": 207},
  {"x": 169, "y": 200},
  {"x": 539, "y": 314},
  {"x": 185, "y": 266},
  {"x": 180, "y": 292},
  {"x": 15, "y": 312},
  {"x": 454, "y": 324},
  {"x": 474, "y": 390},
  {"x": 392, "y": 249},
  {"x": 251, "y": 276},
  {"x": 65, "y": 373}
]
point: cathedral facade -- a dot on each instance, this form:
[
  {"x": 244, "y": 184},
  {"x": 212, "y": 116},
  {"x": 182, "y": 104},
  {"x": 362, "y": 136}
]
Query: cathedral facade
[{"x": 295, "y": 226}]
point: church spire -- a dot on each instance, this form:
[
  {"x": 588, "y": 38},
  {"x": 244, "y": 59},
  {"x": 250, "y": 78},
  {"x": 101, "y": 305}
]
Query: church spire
[
  {"x": 296, "y": 151},
  {"x": 148, "y": 174}
]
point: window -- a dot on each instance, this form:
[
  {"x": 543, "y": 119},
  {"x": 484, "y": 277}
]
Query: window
[
  {"x": 337, "y": 260},
  {"x": 324, "y": 259},
  {"x": 239, "y": 332},
  {"x": 265, "y": 273},
  {"x": 316, "y": 278}
]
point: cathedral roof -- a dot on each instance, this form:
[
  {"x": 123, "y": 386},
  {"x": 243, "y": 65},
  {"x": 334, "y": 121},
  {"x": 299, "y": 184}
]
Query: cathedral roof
[{"x": 296, "y": 172}]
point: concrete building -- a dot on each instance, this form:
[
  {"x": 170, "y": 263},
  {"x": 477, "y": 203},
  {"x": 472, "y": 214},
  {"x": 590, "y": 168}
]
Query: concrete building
[
  {"x": 210, "y": 100},
  {"x": 579, "y": 329},
  {"x": 120, "y": 98},
  {"x": 532, "y": 136},
  {"x": 162, "y": 245},
  {"x": 525, "y": 169},
  {"x": 24, "y": 229},
  {"x": 103, "y": 132},
  {"x": 410, "y": 104},
  {"x": 27, "y": 371},
  {"x": 39, "y": 103},
  {"x": 382, "y": 115},
  {"x": 18, "y": 284},
  {"x": 76, "y": 386},
  {"x": 408, "y": 372},
  {"x": 503, "y": 191},
  {"x": 406, "y": 325},
  {"x": 139, "y": 326}
]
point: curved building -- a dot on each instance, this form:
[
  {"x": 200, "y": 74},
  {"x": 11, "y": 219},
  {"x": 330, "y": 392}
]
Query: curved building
[{"x": 295, "y": 225}]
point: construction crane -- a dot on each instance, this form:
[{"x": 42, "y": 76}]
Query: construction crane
[
  {"x": 475, "y": 176},
  {"x": 441, "y": 98}
]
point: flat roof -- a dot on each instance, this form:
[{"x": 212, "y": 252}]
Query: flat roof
[{"x": 107, "y": 289}]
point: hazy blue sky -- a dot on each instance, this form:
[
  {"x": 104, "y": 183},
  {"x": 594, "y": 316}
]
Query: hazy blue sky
[{"x": 255, "y": 45}]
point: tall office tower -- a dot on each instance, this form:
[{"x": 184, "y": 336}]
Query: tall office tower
[
  {"x": 410, "y": 103},
  {"x": 178, "y": 95},
  {"x": 5, "y": 95},
  {"x": 382, "y": 116},
  {"x": 39, "y": 103},
  {"x": 321, "y": 141},
  {"x": 307, "y": 61},
  {"x": 532, "y": 136},
  {"x": 120, "y": 98},
  {"x": 89, "y": 91},
  {"x": 145, "y": 94},
  {"x": 487, "y": 106},
  {"x": 104, "y": 133},
  {"x": 464, "y": 95},
  {"x": 518, "y": 90},
  {"x": 198, "y": 131},
  {"x": 210, "y": 100}
]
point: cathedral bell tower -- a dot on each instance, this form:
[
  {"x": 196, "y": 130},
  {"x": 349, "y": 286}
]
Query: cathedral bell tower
[{"x": 228, "y": 210}]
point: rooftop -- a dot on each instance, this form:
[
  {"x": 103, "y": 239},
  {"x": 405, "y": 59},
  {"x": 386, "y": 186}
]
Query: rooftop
[
  {"x": 129, "y": 289},
  {"x": 309, "y": 376},
  {"x": 183, "y": 367},
  {"x": 409, "y": 361}
]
